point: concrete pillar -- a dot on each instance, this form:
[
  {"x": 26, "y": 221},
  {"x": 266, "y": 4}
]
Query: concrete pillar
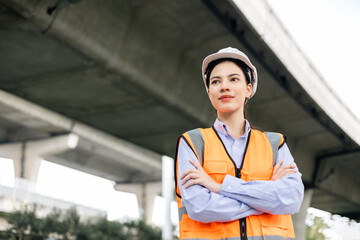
[
  {"x": 168, "y": 192},
  {"x": 299, "y": 218},
  {"x": 145, "y": 194},
  {"x": 27, "y": 155}
]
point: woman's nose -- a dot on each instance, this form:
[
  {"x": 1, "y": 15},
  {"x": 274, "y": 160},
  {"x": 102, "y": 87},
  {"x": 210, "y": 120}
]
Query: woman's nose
[{"x": 224, "y": 87}]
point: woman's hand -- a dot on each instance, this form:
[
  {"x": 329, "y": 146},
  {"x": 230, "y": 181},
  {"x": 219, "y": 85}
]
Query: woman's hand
[
  {"x": 281, "y": 171},
  {"x": 199, "y": 176}
]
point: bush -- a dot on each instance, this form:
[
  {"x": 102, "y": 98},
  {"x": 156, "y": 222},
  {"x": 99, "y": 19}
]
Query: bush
[{"x": 25, "y": 225}]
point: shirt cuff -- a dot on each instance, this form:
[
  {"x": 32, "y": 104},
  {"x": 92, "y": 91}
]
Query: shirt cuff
[{"x": 231, "y": 185}]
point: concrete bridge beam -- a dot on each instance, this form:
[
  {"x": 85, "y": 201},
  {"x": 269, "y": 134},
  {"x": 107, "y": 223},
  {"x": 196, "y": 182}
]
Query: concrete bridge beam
[
  {"x": 27, "y": 155},
  {"x": 167, "y": 193},
  {"x": 145, "y": 194},
  {"x": 300, "y": 217}
]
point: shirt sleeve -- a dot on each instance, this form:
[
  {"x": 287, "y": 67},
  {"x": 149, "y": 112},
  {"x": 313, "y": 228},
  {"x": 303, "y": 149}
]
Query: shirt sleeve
[
  {"x": 203, "y": 205},
  {"x": 283, "y": 196}
]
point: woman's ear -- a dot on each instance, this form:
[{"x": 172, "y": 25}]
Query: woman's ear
[{"x": 248, "y": 90}]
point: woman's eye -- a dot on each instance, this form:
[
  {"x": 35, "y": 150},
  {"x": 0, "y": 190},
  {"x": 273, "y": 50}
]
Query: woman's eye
[
  {"x": 215, "y": 82},
  {"x": 234, "y": 79}
]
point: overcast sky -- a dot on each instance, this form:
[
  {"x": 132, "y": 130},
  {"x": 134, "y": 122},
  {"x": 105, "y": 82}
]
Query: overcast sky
[{"x": 328, "y": 31}]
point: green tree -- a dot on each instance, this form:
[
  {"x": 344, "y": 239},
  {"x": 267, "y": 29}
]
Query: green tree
[
  {"x": 53, "y": 224},
  {"x": 25, "y": 225},
  {"x": 71, "y": 220},
  {"x": 101, "y": 228},
  {"x": 139, "y": 230},
  {"x": 315, "y": 228}
]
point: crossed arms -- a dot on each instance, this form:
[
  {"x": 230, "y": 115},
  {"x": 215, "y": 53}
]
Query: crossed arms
[{"x": 206, "y": 200}]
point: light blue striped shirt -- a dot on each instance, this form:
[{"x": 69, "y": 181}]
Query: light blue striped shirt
[{"x": 238, "y": 198}]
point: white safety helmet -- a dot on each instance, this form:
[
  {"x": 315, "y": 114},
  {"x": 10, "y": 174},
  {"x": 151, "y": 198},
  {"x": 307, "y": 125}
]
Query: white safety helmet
[{"x": 230, "y": 52}]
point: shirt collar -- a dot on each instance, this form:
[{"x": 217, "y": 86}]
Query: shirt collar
[{"x": 221, "y": 128}]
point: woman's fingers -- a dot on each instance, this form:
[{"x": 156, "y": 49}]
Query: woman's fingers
[
  {"x": 188, "y": 177},
  {"x": 286, "y": 166},
  {"x": 198, "y": 176},
  {"x": 196, "y": 164},
  {"x": 187, "y": 172},
  {"x": 192, "y": 182},
  {"x": 283, "y": 171},
  {"x": 287, "y": 172},
  {"x": 277, "y": 166},
  {"x": 191, "y": 173}
]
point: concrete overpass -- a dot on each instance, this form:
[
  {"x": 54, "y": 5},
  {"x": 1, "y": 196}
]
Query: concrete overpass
[{"x": 125, "y": 77}]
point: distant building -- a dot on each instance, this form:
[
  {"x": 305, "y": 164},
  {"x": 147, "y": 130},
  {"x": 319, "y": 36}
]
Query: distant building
[{"x": 13, "y": 198}]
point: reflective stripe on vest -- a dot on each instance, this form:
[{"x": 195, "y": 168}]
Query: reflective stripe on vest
[
  {"x": 274, "y": 139},
  {"x": 198, "y": 142},
  {"x": 249, "y": 238},
  {"x": 181, "y": 211},
  {"x": 211, "y": 152}
]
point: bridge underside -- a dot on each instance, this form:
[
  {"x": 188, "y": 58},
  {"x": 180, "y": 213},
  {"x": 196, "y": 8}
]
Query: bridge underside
[{"x": 132, "y": 70}]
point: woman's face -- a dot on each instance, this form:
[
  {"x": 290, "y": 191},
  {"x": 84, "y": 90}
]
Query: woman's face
[{"x": 228, "y": 88}]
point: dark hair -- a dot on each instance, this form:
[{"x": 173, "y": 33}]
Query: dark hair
[{"x": 246, "y": 70}]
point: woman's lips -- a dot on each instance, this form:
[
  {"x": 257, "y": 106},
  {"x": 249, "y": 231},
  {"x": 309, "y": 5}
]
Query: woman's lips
[{"x": 226, "y": 97}]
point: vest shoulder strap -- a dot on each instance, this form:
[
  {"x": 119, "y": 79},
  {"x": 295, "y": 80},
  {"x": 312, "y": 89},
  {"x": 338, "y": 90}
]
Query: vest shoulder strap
[
  {"x": 276, "y": 140},
  {"x": 198, "y": 142}
]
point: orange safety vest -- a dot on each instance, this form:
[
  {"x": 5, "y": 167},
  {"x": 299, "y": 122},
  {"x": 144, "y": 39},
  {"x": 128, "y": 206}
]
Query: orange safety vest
[{"x": 259, "y": 160}]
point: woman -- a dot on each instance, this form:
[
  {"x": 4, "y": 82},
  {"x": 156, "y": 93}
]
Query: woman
[{"x": 234, "y": 182}]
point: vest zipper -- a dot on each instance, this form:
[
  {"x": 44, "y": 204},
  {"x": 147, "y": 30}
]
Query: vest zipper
[
  {"x": 243, "y": 229},
  {"x": 237, "y": 172},
  {"x": 242, "y": 221}
]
